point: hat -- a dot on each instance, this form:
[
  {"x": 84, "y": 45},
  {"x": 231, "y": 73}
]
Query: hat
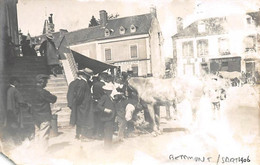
[
  {"x": 41, "y": 77},
  {"x": 86, "y": 71},
  {"x": 108, "y": 87},
  {"x": 49, "y": 35}
]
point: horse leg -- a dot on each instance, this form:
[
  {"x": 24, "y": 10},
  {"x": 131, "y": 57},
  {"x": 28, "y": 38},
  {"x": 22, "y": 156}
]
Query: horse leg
[
  {"x": 157, "y": 118},
  {"x": 152, "y": 115},
  {"x": 168, "y": 113}
]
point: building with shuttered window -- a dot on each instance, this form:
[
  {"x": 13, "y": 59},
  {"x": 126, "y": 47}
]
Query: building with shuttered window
[
  {"x": 132, "y": 43},
  {"x": 218, "y": 44}
]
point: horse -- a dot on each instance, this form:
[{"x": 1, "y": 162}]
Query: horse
[
  {"x": 156, "y": 92},
  {"x": 153, "y": 93}
]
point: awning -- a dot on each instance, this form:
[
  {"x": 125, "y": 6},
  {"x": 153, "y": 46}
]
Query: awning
[{"x": 86, "y": 62}]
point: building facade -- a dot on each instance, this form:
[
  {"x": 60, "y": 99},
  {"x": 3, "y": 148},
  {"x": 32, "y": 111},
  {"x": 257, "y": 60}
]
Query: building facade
[
  {"x": 218, "y": 44},
  {"x": 9, "y": 38},
  {"x": 132, "y": 43}
]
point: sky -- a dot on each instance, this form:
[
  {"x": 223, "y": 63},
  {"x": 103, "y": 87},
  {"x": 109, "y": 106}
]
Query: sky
[{"x": 76, "y": 14}]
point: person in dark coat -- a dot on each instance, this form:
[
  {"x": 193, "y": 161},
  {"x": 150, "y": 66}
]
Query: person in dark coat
[
  {"x": 98, "y": 92},
  {"x": 48, "y": 49},
  {"x": 71, "y": 95},
  {"x": 108, "y": 112},
  {"x": 41, "y": 109},
  {"x": 26, "y": 49},
  {"x": 84, "y": 107},
  {"x": 14, "y": 103}
]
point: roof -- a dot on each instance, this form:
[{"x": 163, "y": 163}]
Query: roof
[
  {"x": 213, "y": 26},
  {"x": 141, "y": 22}
]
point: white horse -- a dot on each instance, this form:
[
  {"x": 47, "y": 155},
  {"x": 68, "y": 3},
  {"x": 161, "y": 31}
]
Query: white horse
[{"x": 154, "y": 92}]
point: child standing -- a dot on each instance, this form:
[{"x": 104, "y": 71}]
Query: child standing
[{"x": 108, "y": 111}]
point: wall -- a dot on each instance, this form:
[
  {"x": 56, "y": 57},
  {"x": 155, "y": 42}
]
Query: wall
[
  {"x": 87, "y": 49},
  {"x": 157, "y": 58},
  {"x": 120, "y": 54},
  {"x": 8, "y": 27}
]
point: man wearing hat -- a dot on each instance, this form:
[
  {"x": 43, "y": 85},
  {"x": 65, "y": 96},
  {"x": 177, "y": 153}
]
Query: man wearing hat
[
  {"x": 98, "y": 92},
  {"x": 71, "y": 98},
  {"x": 84, "y": 106},
  {"x": 108, "y": 111},
  {"x": 41, "y": 109},
  {"x": 48, "y": 49}
]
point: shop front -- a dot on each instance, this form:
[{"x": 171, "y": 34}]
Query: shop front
[{"x": 229, "y": 64}]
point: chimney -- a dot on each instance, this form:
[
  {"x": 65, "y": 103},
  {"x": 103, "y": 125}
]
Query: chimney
[
  {"x": 179, "y": 24},
  {"x": 50, "y": 19},
  {"x": 103, "y": 18},
  {"x": 153, "y": 11}
]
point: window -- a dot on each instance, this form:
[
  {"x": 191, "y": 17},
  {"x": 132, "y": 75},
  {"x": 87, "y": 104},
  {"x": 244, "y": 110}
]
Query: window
[
  {"x": 248, "y": 20},
  {"x": 108, "y": 54},
  {"x": 132, "y": 28},
  {"x": 107, "y": 32},
  {"x": 250, "y": 44},
  {"x": 223, "y": 46},
  {"x": 202, "y": 48},
  {"x": 133, "y": 51},
  {"x": 135, "y": 70},
  {"x": 187, "y": 49},
  {"x": 122, "y": 30}
]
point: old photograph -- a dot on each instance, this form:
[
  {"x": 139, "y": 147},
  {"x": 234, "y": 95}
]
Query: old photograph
[{"x": 109, "y": 82}]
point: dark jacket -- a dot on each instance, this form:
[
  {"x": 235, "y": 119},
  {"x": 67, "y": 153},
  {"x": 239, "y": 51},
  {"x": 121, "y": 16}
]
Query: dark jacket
[
  {"x": 49, "y": 50},
  {"x": 107, "y": 102},
  {"x": 98, "y": 91},
  {"x": 41, "y": 105},
  {"x": 71, "y": 95},
  {"x": 14, "y": 98},
  {"x": 71, "y": 92},
  {"x": 84, "y": 105}
]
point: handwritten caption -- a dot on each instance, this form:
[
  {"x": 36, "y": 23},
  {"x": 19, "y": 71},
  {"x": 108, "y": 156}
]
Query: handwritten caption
[{"x": 220, "y": 159}]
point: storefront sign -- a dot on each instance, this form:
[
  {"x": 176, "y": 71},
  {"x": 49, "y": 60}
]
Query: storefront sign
[
  {"x": 126, "y": 63},
  {"x": 226, "y": 59}
]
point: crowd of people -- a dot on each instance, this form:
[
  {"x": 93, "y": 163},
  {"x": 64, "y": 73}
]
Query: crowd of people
[{"x": 98, "y": 104}]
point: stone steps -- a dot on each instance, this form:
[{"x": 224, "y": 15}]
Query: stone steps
[
  {"x": 55, "y": 88},
  {"x": 26, "y": 69}
]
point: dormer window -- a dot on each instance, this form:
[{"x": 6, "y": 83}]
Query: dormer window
[
  {"x": 132, "y": 28},
  {"x": 249, "y": 20},
  {"x": 122, "y": 30},
  {"x": 201, "y": 27},
  {"x": 107, "y": 32}
]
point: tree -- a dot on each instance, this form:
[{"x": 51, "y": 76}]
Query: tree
[
  {"x": 93, "y": 22},
  {"x": 96, "y": 22}
]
